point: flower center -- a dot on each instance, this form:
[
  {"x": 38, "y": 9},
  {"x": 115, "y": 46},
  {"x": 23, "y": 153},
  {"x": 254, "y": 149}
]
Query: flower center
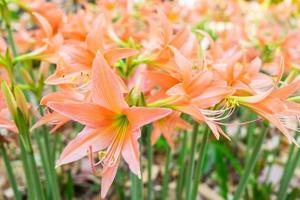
[{"x": 111, "y": 155}]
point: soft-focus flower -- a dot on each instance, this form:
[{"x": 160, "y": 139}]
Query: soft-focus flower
[
  {"x": 111, "y": 126},
  {"x": 166, "y": 127},
  {"x": 275, "y": 107}
]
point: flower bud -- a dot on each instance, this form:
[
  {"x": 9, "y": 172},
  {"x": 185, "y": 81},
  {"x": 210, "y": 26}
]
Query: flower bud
[
  {"x": 9, "y": 99},
  {"x": 4, "y": 12},
  {"x": 26, "y": 76},
  {"x": 21, "y": 102}
]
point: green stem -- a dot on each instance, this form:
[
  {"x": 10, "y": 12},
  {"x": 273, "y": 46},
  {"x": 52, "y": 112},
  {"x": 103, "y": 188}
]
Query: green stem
[
  {"x": 29, "y": 181},
  {"x": 199, "y": 166},
  {"x": 287, "y": 165},
  {"x": 54, "y": 147},
  {"x": 38, "y": 191},
  {"x": 69, "y": 192},
  {"x": 11, "y": 177},
  {"x": 181, "y": 161},
  {"x": 290, "y": 169},
  {"x": 140, "y": 181},
  {"x": 133, "y": 187},
  {"x": 120, "y": 179},
  {"x": 251, "y": 163},
  {"x": 48, "y": 159},
  {"x": 32, "y": 177},
  {"x": 250, "y": 135},
  {"x": 191, "y": 164},
  {"x": 165, "y": 184},
  {"x": 149, "y": 166},
  {"x": 34, "y": 185},
  {"x": 33, "y": 182},
  {"x": 48, "y": 166},
  {"x": 11, "y": 40}
]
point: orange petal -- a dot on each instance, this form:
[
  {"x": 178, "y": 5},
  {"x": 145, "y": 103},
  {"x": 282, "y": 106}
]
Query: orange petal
[
  {"x": 255, "y": 98},
  {"x": 286, "y": 91},
  {"x": 254, "y": 66},
  {"x": 115, "y": 54},
  {"x": 8, "y": 124},
  {"x": 61, "y": 97},
  {"x": 108, "y": 177},
  {"x": 200, "y": 82},
  {"x": 193, "y": 111},
  {"x": 156, "y": 133},
  {"x": 177, "y": 89},
  {"x": 277, "y": 124},
  {"x": 106, "y": 89},
  {"x": 44, "y": 24},
  {"x": 212, "y": 96},
  {"x": 184, "y": 65},
  {"x": 140, "y": 116},
  {"x": 76, "y": 56},
  {"x": 183, "y": 124},
  {"x": 180, "y": 38},
  {"x": 94, "y": 38},
  {"x": 86, "y": 113},
  {"x": 161, "y": 79},
  {"x": 169, "y": 139},
  {"x": 216, "y": 130},
  {"x": 52, "y": 118},
  {"x": 131, "y": 154},
  {"x": 166, "y": 26},
  {"x": 78, "y": 147}
]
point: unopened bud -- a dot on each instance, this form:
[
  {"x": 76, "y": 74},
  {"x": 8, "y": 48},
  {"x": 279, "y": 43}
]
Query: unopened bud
[
  {"x": 26, "y": 76},
  {"x": 21, "y": 102},
  {"x": 9, "y": 99},
  {"x": 4, "y": 12}
]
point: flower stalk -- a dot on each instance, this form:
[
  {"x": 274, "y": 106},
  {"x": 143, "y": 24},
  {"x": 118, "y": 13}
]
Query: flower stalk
[
  {"x": 166, "y": 177},
  {"x": 150, "y": 194},
  {"x": 290, "y": 167},
  {"x": 10, "y": 175},
  {"x": 181, "y": 163},
  {"x": 191, "y": 164},
  {"x": 251, "y": 163},
  {"x": 201, "y": 158}
]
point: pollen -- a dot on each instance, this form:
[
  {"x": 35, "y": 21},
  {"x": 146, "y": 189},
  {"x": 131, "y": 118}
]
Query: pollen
[
  {"x": 101, "y": 154},
  {"x": 231, "y": 102}
]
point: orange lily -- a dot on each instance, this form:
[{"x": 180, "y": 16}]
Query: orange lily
[
  {"x": 290, "y": 48},
  {"x": 275, "y": 107},
  {"x": 55, "y": 118},
  {"x": 243, "y": 77},
  {"x": 161, "y": 37},
  {"x": 196, "y": 91},
  {"x": 110, "y": 124},
  {"x": 166, "y": 126},
  {"x": 78, "y": 56}
]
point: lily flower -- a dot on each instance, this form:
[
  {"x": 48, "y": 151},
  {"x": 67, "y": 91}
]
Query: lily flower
[
  {"x": 195, "y": 92},
  {"x": 55, "y": 118},
  {"x": 112, "y": 127},
  {"x": 275, "y": 107},
  {"x": 166, "y": 127},
  {"x": 78, "y": 56}
]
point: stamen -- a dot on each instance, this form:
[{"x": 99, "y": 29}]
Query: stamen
[
  {"x": 93, "y": 165},
  {"x": 111, "y": 155},
  {"x": 223, "y": 113}
]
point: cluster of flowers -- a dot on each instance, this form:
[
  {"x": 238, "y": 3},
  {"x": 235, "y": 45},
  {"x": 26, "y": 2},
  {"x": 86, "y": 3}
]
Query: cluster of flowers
[{"x": 121, "y": 65}]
